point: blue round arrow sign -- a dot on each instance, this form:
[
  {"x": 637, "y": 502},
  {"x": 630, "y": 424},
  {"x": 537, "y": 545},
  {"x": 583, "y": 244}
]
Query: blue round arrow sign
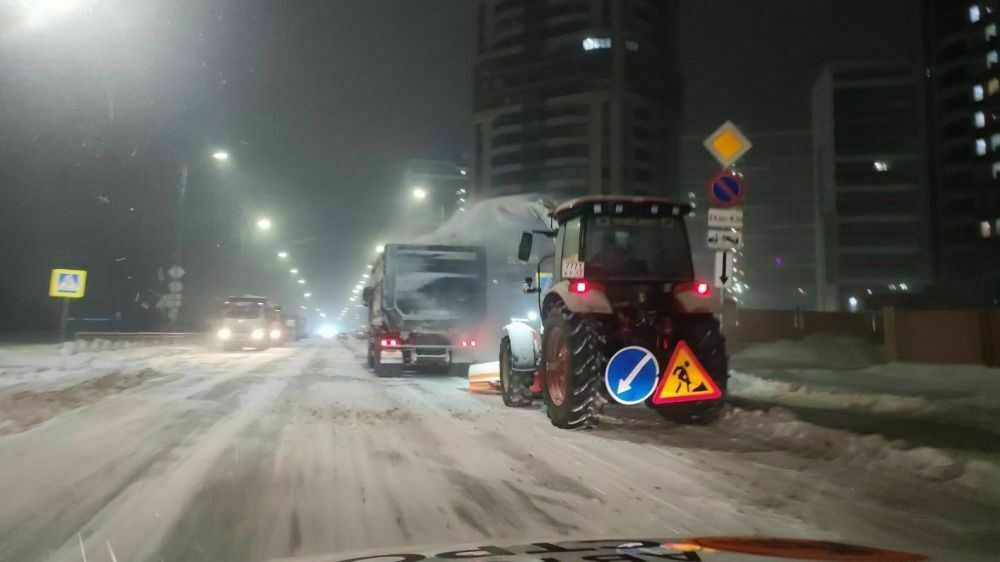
[{"x": 631, "y": 375}]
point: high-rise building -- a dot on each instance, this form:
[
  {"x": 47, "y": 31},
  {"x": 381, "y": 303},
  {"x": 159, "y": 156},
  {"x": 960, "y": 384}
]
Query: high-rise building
[
  {"x": 963, "y": 71},
  {"x": 870, "y": 170},
  {"x": 575, "y": 96}
]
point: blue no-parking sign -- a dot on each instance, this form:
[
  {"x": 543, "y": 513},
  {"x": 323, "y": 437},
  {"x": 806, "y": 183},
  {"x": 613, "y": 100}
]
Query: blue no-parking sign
[{"x": 631, "y": 375}]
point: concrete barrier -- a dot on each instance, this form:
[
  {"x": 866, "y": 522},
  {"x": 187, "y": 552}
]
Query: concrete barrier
[{"x": 149, "y": 338}]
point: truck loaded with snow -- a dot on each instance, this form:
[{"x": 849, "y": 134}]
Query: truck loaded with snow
[{"x": 426, "y": 305}]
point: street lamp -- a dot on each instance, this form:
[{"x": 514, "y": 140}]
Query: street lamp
[
  {"x": 264, "y": 223},
  {"x": 220, "y": 155},
  {"x": 282, "y": 254},
  {"x": 419, "y": 193}
]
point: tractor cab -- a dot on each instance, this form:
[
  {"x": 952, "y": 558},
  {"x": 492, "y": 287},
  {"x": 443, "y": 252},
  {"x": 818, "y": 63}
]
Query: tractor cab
[{"x": 622, "y": 277}]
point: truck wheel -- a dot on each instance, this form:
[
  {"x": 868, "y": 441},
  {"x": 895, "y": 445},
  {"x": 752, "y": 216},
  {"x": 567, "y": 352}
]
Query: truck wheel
[
  {"x": 704, "y": 337},
  {"x": 385, "y": 370},
  {"x": 574, "y": 356},
  {"x": 515, "y": 385}
]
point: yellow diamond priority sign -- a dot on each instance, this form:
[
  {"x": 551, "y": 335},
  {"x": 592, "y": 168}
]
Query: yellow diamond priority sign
[{"x": 727, "y": 144}]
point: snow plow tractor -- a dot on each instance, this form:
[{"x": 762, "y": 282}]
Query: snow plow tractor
[{"x": 622, "y": 278}]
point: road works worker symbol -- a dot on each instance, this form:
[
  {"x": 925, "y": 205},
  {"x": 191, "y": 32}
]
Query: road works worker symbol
[
  {"x": 685, "y": 380},
  {"x": 67, "y": 283},
  {"x": 631, "y": 375}
]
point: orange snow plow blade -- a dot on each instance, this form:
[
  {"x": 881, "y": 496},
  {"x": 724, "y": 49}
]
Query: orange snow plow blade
[{"x": 484, "y": 378}]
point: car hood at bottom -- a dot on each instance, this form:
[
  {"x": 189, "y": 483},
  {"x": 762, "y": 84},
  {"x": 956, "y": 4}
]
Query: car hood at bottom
[{"x": 695, "y": 549}]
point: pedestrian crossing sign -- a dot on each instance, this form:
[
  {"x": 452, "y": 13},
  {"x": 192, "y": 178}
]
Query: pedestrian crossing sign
[
  {"x": 685, "y": 379},
  {"x": 68, "y": 283}
]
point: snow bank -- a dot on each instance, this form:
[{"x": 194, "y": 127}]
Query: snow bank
[
  {"x": 832, "y": 352},
  {"x": 751, "y": 387},
  {"x": 780, "y": 428}
]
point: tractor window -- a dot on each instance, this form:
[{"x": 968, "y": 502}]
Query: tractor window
[
  {"x": 637, "y": 248},
  {"x": 571, "y": 241}
]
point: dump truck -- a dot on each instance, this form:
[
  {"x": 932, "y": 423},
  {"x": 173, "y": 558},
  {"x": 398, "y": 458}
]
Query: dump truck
[{"x": 426, "y": 306}]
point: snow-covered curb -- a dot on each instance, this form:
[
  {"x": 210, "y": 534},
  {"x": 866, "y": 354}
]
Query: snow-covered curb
[{"x": 780, "y": 428}]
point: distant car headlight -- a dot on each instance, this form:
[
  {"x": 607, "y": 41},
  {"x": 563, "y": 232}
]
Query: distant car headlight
[
  {"x": 257, "y": 334},
  {"x": 275, "y": 334},
  {"x": 224, "y": 333}
]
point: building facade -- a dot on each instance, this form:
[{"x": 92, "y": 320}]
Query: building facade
[
  {"x": 963, "y": 92},
  {"x": 575, "y": 96},
  {"x": 870, "y": 178}
]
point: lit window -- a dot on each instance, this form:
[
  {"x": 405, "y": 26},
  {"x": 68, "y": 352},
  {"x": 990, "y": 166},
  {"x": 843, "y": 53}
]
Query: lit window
[
  {"x": 594, "y": 43},
  {"x": 984, "y": 229},
  {"x": 881, "y": 166},
  {"x": 634, "y": 45},
  {"x": 980, "y": 118},
  {"x": 977, "y": 92},
  {"x": 974, "y": 13},
  {"x": 991, "y": 59},
  {"x": 991, "y": 31},
  {"x": 993, "y": 86},
  {"x": 980, "y": 146}
]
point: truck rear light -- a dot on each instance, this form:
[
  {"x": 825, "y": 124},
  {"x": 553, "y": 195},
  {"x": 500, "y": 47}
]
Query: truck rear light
[
  {"x": 579, "y": 287},
  {"x": 702, "y": 289}
]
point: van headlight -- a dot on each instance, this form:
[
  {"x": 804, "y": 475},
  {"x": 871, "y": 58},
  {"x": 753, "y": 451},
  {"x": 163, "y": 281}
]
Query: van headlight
[
  {"x": 224, "y": 333},
  {"x": 257, "y": 334},
  {"x": 275, "y": 334}
]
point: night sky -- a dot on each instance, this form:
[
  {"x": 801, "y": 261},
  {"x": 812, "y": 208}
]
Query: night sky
[{"x": 320, "y": 104}]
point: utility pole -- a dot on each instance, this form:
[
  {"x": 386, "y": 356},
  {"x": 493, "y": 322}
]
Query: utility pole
[{"x": 173, "y": 312}]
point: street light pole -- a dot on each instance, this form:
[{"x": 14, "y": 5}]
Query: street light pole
[{"x": 173, "y": 313}]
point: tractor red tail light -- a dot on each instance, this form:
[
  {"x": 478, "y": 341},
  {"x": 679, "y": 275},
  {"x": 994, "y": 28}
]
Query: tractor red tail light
[
  {"x": 579, "y": 287},
  {"x": 702, "y": 289}
]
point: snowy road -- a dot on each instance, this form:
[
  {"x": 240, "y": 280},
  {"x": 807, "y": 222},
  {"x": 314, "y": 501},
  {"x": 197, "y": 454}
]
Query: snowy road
[{"x": 192, "y": 454}]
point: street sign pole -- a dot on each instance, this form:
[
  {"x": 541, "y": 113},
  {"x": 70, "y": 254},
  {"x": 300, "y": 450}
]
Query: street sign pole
[{"x": 63, "y": 319}]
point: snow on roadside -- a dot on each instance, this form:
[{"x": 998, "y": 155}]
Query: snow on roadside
[
  {"x": 780, "y": 428},
  {"x": 833, "y": 352},
  {"x": 753, "y": 387}
]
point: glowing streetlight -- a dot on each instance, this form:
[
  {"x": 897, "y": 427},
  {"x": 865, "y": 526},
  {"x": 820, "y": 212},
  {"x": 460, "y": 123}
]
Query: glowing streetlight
[
  {"x": 220, "y": 155},
  {"x": 264, "y": 223},
  {"x": 419, "y": 193},
  {"x": 282, "y": 254}
]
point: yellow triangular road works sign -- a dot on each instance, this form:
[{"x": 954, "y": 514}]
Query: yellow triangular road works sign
[{"x": 685, "y": 380}]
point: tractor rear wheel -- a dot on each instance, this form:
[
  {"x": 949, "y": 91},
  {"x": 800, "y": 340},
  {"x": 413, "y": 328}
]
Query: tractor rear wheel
[
  {"x": 704, "y": 336},
  {"x": 573, "y": 360},
  {"x": 515, "y": 385}
]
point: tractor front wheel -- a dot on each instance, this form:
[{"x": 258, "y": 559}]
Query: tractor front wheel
[
  {"x": 573, "y": 360},
  {"x": 515, "y": 385}
]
